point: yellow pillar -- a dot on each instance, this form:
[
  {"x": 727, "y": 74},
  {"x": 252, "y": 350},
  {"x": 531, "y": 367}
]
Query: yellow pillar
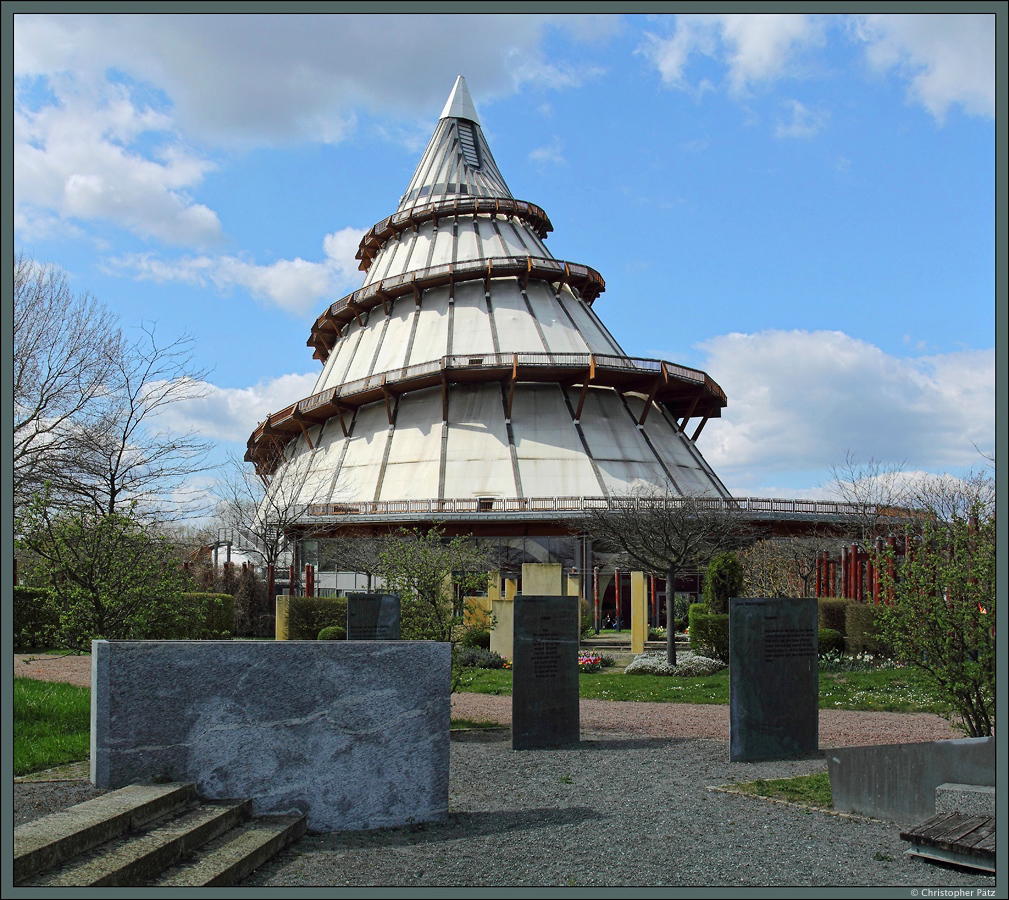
[
  {"x": 503, "y": 609},
  {"x": 639, "y": 617},
  {"x": 542, "y": 579},
  {"x": 282, "y": 629},
  {"x": 573, "y": 586}
]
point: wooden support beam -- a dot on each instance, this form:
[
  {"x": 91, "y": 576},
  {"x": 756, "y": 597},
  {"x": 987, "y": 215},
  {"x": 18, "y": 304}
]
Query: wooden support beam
[
  {"x": 299, "y": 417},
  {"x": 697, "y": 431},
  {"x": 511, "y": 385},
  {"x": 690, "y": 412},
  {"x": 387, "y": 396},
  {"x": 651, "y": 397},
  {"x": 339, "y": 416},
  {"x": 585, "y": 386}
]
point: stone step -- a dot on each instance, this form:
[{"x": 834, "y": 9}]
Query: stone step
[
  {"x": 230, "y": 858},
  {"x": 133, "y": 857},
  {"x": 966, "y": 799},
  {"x": 52, "y": 840},
  {"x": 149, "y": 834}
]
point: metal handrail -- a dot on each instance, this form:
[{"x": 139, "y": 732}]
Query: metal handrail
[{"x": 582, "y": 504}]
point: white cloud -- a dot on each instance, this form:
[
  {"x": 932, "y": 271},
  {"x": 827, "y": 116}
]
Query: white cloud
[
  {"x": 78, "y": 159},
  {"x": 803, "y": 122},
  {"x": 295, "y": 285},
  {"x": 552, "y": 153},
  {"x": 798, "y": 400},
  {"x": 279, "y": 78},
  {"x": 231, "y": 414},
  {"x": 948, "y": 59},
  {"x": 753, "y": 48},
  {"x": 103, "y": 102}
]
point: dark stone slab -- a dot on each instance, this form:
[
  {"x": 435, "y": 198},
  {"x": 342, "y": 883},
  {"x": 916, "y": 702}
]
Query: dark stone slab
[
  {"x": 545, "y": 672},
  {"x": 372, "y": 617},
  {"x": 772, "y": 678}
]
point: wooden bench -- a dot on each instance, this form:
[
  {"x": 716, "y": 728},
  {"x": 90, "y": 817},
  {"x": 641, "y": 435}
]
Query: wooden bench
[{"x": 955, "y": 838}]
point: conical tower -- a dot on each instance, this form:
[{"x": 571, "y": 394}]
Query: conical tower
[{"x": 469, "y": 379}]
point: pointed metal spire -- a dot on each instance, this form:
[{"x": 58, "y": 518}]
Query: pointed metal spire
[{"x": 459, "y": 104}]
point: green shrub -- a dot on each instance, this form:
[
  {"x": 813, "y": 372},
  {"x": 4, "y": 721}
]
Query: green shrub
[
  {"x": 36, "y": 618},
  {"x": 199, "y": 617},
  {"x": 307, "y": 616},
  {"x": 478, "y": 657},
  {"x": 829, "y": 643},
  {"x": 830, "y": 612},
  {"x": 476, "y": 637},
  {"x": 722, "y": 579},
  {"x": 709, "y": 634},
  {"x": 333, "y": 633},
  {"x": 862, "y": 630}
]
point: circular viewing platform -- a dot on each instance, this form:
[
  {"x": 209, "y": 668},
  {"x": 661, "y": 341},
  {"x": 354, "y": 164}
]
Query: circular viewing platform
[
  {"x": 392, "y": 225},
  {"x": 585, "y": 281},
  {"x": 685, "y": 392}
]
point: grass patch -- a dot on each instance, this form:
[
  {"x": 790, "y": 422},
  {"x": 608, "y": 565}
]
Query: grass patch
[
  {"x": 52, "y": 724},
  {"x": 806, "y": 790},
  {"x": 885, "y": 690},
  {"x": 471, "y": 723}
]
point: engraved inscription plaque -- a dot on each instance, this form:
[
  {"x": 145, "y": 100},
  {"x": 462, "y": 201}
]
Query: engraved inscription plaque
[
  {"x": 372, "y": 617},
  {"x": 545, "y": 672},
  {"x": 772, "y": 678}
]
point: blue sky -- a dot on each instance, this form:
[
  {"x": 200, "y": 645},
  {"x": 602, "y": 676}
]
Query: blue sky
[{"x": 802, "y": 206}]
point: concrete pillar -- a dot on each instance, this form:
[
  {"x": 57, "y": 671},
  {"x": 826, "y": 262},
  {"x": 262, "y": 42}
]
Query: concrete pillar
[{"x": 639, "y": 619}]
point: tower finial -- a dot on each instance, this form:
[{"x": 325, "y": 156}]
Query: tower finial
[{"x": 459, "y": 104}]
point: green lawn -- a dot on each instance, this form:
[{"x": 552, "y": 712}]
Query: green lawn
[
  {"x": 52, "y": 724},
  {"x": 807, "y": 790},
  {"x": 886, "y": 690}
]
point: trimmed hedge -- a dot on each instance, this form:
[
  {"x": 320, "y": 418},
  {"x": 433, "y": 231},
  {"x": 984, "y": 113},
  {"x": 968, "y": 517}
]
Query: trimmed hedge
[
  {"x": 200, "y": 617},
  {"x": 333, "y": 633},
  {"x": 709, "y": 634},
  {"x": 36, "y": 618},
  {"x": 476, "y": 637},
  {"x": 829, "y": 643},
  {"x": 862, "y": 632},
  {"x": 307, "y": 616},
  {"x": 830, "y": 611}
]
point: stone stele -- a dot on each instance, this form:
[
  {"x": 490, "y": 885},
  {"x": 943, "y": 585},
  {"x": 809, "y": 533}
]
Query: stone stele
[{"x": 353, "y": 734}]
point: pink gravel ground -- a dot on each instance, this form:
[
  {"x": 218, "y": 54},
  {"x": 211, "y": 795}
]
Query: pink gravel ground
[{"x": 837, "y": 728}]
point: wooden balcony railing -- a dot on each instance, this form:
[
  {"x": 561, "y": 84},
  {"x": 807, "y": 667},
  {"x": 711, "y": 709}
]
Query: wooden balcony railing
[
  {"x": 686, "y": 393},
  {"x": 392, "y": 225},
  {"x": 585, "y": 281}
]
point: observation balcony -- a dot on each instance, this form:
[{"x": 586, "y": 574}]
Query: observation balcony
[
  {"x": 392, "y": 225},
  {"x": 552, "y": 508},
  {"x": 326, "y": 331},
  {"x": 686, "y": 393}
]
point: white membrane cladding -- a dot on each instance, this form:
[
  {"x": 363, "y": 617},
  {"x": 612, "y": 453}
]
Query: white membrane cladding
[
  {"x": 471, "y": 456},
  {"x": 538, "y": 321}
]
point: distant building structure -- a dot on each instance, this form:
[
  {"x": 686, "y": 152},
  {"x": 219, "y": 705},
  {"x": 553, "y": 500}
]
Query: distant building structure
[{"x": 470, "y": 383}]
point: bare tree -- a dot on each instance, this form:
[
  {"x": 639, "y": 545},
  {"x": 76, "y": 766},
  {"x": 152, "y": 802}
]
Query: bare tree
[
  {"x": 663, "y": 534},
  {"x": 784, "y": 566},
  {"x": 66, "y": 346},
  {"x": 123, "y": 453},
  {"x": 876, "y": 490}
]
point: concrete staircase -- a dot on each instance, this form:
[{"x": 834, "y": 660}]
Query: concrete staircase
[{"x": 149, "y": 835}]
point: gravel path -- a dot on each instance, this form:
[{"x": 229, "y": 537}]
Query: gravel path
[{"x": 639, "y": 802}]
